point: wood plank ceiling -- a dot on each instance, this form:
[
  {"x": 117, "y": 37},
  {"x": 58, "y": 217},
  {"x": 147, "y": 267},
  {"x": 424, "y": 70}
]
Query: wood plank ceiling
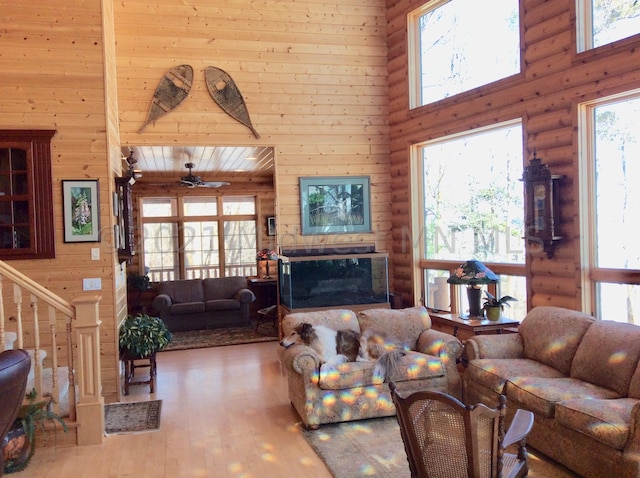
[{"x": 210, "y": 162}]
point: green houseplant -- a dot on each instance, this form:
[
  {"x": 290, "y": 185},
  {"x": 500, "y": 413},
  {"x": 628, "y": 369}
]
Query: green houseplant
[
  {"x": 493, "y": 306},
  {"x": 20, "y": 444},
  {"x": 142, "y": 336}
]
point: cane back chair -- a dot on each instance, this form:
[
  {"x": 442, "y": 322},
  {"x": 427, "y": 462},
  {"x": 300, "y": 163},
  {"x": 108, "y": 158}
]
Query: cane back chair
[{"x": 444, "y": 438}]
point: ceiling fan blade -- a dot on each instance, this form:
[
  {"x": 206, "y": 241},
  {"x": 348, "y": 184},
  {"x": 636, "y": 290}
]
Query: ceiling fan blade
[{"x": 213, "y": 184}]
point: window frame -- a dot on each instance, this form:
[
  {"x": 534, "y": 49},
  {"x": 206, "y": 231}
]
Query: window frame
[
  {"x": 180, "y": 219},
  {"x": 582, "y": 18},
  {"x": 592, "y": 275},
  {"x": 414, "y": 59},
  {"x": 423, "y": 265}
]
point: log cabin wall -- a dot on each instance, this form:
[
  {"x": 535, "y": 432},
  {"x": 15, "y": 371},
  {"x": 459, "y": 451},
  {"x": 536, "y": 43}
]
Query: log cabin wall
[
  {"x": 313, "y": 75},
  {"x": 52, "y": 76},
  {"x": 554, "y": 80}
]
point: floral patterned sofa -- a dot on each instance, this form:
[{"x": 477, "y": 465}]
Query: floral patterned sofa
[
  {"x": 580, "y": 377},
  {"x": 322, "y": 394}
]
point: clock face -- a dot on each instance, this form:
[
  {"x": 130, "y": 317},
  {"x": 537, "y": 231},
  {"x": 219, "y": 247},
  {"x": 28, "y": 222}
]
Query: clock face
[{"x": 540, "y": 191}]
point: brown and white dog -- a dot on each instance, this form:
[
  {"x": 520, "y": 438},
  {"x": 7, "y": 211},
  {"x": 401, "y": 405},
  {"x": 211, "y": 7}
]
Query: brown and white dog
[{"x": 338, "y": 346}]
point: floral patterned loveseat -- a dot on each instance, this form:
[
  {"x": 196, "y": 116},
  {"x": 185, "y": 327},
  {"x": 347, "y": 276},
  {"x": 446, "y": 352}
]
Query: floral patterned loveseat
[
  {"x": 580, "y": 377},
  {"x": 322, "y": 394}
]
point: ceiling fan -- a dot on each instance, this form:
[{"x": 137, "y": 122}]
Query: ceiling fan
[{"x": 193, "y": 181}]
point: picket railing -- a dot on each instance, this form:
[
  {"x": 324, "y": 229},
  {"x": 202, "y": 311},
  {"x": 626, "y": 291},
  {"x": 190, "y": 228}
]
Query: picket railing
[{"x": 62, "y": 339}]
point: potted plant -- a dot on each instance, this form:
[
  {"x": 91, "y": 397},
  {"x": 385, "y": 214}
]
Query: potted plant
[
  {"x": 493, "y": 306},
  {"x": 142, "y": 336},
  {"x": 138, "y": 282},
  {"x": 19, "y": 445}
]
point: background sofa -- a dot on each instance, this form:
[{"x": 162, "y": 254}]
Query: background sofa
[
  {"x": 328, "y": 394},
  {"x": 580, "y": 377},
  {"x": 195, "y": 304}
]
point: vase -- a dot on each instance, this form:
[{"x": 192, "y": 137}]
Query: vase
[
  {"x": 16, "y": 449},
  {"x": 492, "y": 313}
]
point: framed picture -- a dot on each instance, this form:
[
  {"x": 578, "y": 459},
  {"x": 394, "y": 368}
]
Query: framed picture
[
  {"x": 271, "y": 226},
  {"x": 81, "y": 210},
  {"x": 335, "y": 205}
]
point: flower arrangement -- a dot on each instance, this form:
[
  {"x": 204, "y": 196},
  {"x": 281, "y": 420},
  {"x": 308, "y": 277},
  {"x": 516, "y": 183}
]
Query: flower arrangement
[{"x": 266, "y": 255}]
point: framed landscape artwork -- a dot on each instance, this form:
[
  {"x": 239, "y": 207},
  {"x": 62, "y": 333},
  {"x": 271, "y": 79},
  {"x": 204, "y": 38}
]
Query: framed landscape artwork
[
  {"x": 81, "y": 210},
  {"x": 335, "y": 205}
]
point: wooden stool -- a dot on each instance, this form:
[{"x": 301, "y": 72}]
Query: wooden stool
[{"x": 130, "y": 366}]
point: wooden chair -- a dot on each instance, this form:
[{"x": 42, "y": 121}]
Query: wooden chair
[
  {"x": 14, "y": 370},
  {"x": 443, "y": 438}
]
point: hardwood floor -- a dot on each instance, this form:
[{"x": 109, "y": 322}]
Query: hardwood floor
[{"x": 225, "y": 414}]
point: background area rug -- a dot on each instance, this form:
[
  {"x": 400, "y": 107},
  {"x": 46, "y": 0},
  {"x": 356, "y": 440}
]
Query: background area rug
[
  {"x": 132, "y": 417},
  {"x": 195, "y": 339},
  {"x": 374, "y": 448}
]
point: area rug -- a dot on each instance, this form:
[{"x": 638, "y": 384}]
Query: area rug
[
  {"x": 132, "y": 417},
  {"x": 374, "y": 448},
  {"x": 196, "y": 339}
]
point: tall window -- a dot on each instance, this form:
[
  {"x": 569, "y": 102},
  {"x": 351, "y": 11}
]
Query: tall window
[
  {"x": 452, "y": 51},
  {"x": 611, "y": 205},
  {"x": 198, "y": 237},
  {"x": 473, "y": 209},
  {"x": 601, "y": 22}
]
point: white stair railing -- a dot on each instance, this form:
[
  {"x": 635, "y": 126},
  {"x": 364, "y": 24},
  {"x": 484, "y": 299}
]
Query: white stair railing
[{"x": 64, "y": 348}]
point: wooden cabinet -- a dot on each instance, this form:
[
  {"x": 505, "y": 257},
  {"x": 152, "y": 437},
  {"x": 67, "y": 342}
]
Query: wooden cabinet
[
  {"x": 124, "y": 229},
  {"x": 26, "y": 199},
  {"x": 141, "y": 301},
  {"x": 266, "y": 292}
]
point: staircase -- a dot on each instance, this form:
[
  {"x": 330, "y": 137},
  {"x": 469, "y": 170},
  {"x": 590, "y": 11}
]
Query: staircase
[{"x": 63, "y": 341}]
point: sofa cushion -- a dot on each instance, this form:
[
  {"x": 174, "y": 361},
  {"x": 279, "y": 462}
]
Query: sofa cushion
[
  {"x": 606, "y": 421},
  {"x": 551, "y": 335},
  {"x": 414, "y": 366},
  {"x": 403, "y": 325},
  {"x": 540, "y": 395},
  {"x": 338, "y": 319},
  {"x": 182, "y": 290},
  {"x": 187, "y": 308},
  {"x": 634, "y": 385},
  {"x": 494, "y": 373},
  {"x": 222, "y": 304},
  {"x": 222, "y": 287},
  {"x": 608, "y": 355}
]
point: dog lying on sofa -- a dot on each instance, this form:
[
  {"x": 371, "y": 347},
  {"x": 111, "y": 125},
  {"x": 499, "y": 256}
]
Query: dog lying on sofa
[{"x": 324, "y": 392}]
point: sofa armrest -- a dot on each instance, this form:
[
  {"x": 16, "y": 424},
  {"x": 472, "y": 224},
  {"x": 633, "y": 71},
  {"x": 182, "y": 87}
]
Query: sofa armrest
[
  {"x": 440, "y": 344},
  {"x": 448, "y": 349},
  {"x": 244, "y": 295},
  {"x": 500, "y": 346},
  {"x": 633, "y": 443},
  {"x": 161, "y": 303},
  {"x": 300, "y": 359}
]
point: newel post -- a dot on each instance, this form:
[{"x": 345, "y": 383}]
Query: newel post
[{"x": 90, "y": 408}]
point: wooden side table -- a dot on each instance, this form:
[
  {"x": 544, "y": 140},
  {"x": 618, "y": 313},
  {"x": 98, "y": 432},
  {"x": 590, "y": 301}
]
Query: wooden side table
[
  {"x": 465, "y": 328},
  {"x": 266, "y": 292},
  {"x": 130, "y": 366}
]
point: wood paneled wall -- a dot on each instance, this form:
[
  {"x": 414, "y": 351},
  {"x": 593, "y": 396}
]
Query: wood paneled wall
[
  {"x": 313, "y": 74},
  {"x": 52, "y": 76},
  {"x": 545, "y": 96},
  {"x": 325, "y": 82}
]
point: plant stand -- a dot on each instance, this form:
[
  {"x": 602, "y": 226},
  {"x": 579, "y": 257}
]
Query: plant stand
[{"x": 130, "y": 366}]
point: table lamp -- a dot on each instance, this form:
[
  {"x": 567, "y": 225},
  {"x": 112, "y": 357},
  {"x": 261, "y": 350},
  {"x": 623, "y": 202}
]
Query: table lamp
[{"x": 473, "y": 274}]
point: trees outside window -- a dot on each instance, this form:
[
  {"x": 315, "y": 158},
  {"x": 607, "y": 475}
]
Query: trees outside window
[
  {"x": 472, "y": 208},
  {"x": 610, "y": 147},
  {"x": 188, "y": 237},
  {"x": 451, "y": 51},
  {"x": 601, "y": 22}
]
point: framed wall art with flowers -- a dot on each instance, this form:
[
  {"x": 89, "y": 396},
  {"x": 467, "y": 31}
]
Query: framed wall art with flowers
[{"x": 81, "y": 210}]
